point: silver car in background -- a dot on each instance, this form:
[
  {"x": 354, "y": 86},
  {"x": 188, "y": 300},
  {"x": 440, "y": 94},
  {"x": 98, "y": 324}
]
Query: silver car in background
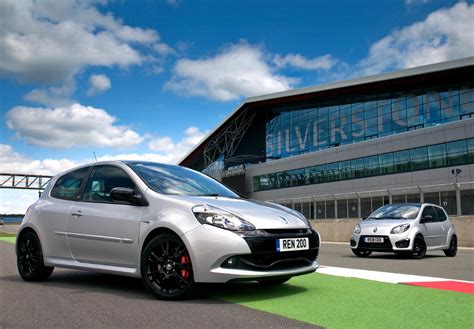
[
  {"x": 169, "y": 225},
  {"x": 410, "y": 228}
]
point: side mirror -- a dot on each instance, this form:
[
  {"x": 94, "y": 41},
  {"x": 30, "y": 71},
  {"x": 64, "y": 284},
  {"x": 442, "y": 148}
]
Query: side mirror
[
  {"x": 128, "y": 195},
  {"x": 426, "y": 218},
  {"x": 364, "y": 218}
]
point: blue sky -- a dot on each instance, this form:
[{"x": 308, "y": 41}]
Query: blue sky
[{"x": 148, "y": 79}]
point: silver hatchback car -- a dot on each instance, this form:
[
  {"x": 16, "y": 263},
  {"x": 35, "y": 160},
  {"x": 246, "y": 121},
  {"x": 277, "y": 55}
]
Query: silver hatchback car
[
  {"x": 409, "y": 228},
  {"x": 169, "y": 225}
]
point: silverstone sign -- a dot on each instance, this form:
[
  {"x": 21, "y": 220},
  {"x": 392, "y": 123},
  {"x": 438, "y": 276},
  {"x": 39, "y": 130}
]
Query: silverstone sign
[{"x": 336, "y": 129}]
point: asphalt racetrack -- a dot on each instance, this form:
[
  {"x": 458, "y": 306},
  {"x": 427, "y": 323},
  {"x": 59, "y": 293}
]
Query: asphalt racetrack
[{"x": 80, "y": 299}]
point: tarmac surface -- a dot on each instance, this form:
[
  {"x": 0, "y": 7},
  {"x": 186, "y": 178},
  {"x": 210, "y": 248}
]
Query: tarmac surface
[
  {"x": 81, "y": 299},
  {"x": 77, "y": 299},
  {"x": 434, "y": 264}
]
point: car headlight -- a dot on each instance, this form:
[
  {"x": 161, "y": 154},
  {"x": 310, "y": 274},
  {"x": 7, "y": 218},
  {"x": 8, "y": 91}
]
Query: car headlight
[
  {"x": 357, "y": 229},
  {"x": 206, "y": 214},
  {"x": 400, "y": 229}
]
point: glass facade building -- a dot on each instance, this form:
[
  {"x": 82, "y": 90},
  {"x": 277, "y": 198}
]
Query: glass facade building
[
  {"x": 307, "y": 128},
  {"x": 420, "y": 158},
  {"x": 344, "y": 149}
]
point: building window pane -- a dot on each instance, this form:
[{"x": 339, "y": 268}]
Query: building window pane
[
  {"x": 470, "y": 149},
  {"x": 399, "y": 198},
  {"x": 467, "y": 204},
  {"x": 401, "y": 160},
  {"x": 386, "y": 163},
  {"x": 330, "y": 212},
  {"x": 365, "y": 207},
  {"x": 377, "y": 202},
  {"x": 419, "y": 158},
  {"x": 413, "y": 198},
  {"x": 306, "y": 211},
  {"x": 431, "y": 198},
  {"x": 457, "y": 152},
  {"x": 341, "y": 208},
  {"x": 448, "y": 202},
  {"x": 353, "y": 206},
  {"x": 437, "y": 155},
  {"x": 320, "y": 210}
]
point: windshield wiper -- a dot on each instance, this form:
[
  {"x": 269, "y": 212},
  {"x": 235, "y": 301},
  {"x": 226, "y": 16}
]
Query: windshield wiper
[{"x": 208, "y": 194}]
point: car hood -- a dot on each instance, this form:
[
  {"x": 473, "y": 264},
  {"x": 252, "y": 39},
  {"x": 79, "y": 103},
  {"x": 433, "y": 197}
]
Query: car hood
[
  {"x": 262, "y": 215},
  {"x": 383, "y": 226}
]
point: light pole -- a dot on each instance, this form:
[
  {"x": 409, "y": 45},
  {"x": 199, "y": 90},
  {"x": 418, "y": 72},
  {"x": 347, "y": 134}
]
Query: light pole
[{"x": 456, "y": 172}]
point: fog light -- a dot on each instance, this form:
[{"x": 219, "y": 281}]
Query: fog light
[
  {"x": 353, "y": 243},
  {"x": 403, "y": 243}
]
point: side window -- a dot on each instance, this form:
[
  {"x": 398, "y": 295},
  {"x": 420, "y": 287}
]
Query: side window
[
  {"x": 441, "y": 214},
  {"x": 430, "y": 213},
  {"x": 102, "y": 180},
  {"x": 67, "y": 187}
]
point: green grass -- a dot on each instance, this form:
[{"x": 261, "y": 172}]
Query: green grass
[
  {"x": 337, "y": 302},
  {"x": 8, "y": 237}
]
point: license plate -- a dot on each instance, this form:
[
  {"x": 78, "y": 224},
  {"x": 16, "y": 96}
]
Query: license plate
[
  {"x": 374, "y": 240},
  {"x": 292, "y": 244}
]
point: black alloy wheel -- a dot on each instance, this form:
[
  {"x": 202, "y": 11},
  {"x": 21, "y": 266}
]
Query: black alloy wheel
[
  {"x": 361, "y": 253},
  {"x": 453, "y": 247},
  {"x": 30, "y": 259},
  {"x": 273, "y": 282},
  {"x": 166, "y": 268},
  {"x": 419, "y": 248}
]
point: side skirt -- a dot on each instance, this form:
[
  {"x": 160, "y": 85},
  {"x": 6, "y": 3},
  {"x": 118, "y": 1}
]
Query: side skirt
[{"x": 72, "y": 264}]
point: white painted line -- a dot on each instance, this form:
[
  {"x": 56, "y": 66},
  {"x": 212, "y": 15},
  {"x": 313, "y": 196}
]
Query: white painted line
[{"x": 379, "y": 276}]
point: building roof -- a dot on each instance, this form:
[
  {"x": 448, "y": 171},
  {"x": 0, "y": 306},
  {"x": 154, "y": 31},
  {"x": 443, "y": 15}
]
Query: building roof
[{"x": 374, "y": 79}]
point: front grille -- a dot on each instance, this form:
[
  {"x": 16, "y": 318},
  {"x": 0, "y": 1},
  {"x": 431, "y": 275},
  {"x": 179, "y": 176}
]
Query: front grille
[
  {"x": 385, "y": 246},
  {"x": 264, "y": 256},
  {"x": 288, "y": 231}
]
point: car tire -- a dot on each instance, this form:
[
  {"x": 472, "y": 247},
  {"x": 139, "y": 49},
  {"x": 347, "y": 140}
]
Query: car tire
[
  {"x": 361, "y": 253},
  {"x": 453, "y": 247},
  {"x": 419, "y": 248},
  {"x": 273, "y": 282},
  {"x": 29, "y": 259},
  {"x": 166, "y": 268}
]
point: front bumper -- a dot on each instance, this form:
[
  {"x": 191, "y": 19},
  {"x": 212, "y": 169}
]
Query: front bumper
[
  {"x": 253, "y": 254},
  {"x": 391, "y": 243}
]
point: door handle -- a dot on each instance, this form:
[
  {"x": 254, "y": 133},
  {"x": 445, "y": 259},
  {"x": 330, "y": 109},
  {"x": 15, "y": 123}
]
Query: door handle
[{"x": 77, "y": 213}]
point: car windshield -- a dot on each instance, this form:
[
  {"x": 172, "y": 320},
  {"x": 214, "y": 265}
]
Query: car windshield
[
  {"x": 396, "y": 211},
  {"x": 167, "y": 179}
]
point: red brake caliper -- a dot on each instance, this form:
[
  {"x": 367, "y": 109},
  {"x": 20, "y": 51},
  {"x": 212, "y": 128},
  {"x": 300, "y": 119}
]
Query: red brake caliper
[{"x": 184, "y": 272}]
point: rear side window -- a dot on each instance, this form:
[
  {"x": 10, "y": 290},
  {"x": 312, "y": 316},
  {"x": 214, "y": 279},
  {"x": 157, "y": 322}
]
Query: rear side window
[
  {"x": 67, "y": 187},
  {"x": 441, "y": 215},
  {"x": 102, "y": 180}
]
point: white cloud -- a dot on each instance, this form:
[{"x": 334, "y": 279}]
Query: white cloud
[
  {"x": 17, "y": 201},
  {"x": 171, "y": 151},
  {"x": 54, "y": 96},
  {"x": 50, "y": 41},
  {"x": 164, "y": 49},
  {"x": 445, "y": 34},
  {"x": 64, "y": 127},
  {"x": 414, "y": 2},
  {"x": 13, "y": 162},
  {"x": 239, "y": 70},
  {"x": 98, "y": 83},
  {"x": 325, "y": 62}
]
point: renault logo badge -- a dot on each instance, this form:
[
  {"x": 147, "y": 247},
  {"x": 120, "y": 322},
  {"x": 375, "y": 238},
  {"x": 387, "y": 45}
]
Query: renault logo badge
[
  {"x": 283, "y": 219},
  {"x": 374, "y": 230}
]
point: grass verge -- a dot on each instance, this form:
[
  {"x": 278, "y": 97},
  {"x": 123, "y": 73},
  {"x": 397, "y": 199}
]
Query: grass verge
[
  {"x": 8, "y": 237},
  {"x": 337, "y": 302}
]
